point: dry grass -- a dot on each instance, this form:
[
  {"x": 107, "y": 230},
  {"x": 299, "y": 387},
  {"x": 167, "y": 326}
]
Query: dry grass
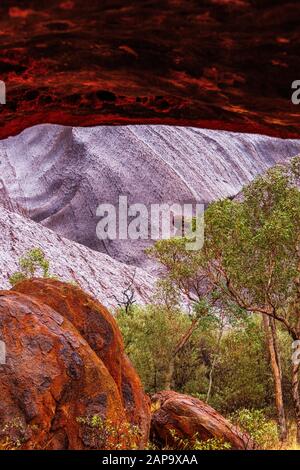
[{"x": 291, "y": 443}]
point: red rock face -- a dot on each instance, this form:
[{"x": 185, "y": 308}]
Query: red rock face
[
  {"x": 99, "y": 329},
  {"x": 65, "y": 360},
  {"x": 188, "y": 416},
  {"x": 216, "y": 63}
]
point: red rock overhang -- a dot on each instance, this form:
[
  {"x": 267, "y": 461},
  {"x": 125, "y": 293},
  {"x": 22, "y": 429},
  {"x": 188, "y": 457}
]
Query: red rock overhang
[{"x": 213, "y": 63}]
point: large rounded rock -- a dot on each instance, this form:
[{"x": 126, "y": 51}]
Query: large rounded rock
[
  {"x": 53, "y": 375},
  {"x": 100, "y": 330},
  {"x": 189, "y": 417}
]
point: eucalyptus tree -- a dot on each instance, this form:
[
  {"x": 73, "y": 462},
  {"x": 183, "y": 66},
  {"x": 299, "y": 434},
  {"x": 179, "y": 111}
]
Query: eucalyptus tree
[{"x": 250, "y": 259}]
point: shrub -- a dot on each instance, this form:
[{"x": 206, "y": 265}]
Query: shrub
[
  {"x": 150, "y": 336},
  {"x": 196, "y": 444},
  {"x": 13, "y": 434},
  {"x": 33, "y": 263},
  {"x": 103, "y": 434},
  {"x": 263, "y": 431}
]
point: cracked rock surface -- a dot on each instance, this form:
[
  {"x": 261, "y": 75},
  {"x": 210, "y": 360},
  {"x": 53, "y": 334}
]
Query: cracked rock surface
[
  {"x": 67, "y": 361},
  {"x": 189, "y": 417}
]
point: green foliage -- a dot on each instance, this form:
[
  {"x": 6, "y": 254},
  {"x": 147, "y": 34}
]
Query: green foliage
[
  {"x": 103, "y": 434},
  {"x": 32, "y": 264},
  {"x": 249, "y": 264},
  {"x": 16, "y": 278},
  {"x": 251, "y": 253},
  {"x": 263, "y": 431},
  {"x": 242, "y": 376},
  {"x": 252, "y": 247},
  {"x": 212, "y": 444},
  {"x": 197, "y": 444},
  {"x": 150, "y": 335}
]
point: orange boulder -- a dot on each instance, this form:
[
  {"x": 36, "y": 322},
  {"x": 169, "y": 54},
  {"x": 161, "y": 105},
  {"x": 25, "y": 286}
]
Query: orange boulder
[
  {"x": 98, "y": 327},
  {"x": 64, "y": 360},
  {"x": 188, "y": 418}
]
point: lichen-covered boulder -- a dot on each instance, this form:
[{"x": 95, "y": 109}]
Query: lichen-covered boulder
[{"x": 176, "y": 416}]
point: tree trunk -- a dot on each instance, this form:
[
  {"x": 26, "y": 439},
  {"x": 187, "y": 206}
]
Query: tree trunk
[
  {"x": 296, "y": 365},
  {"x": 169, "y": 375},
  {"x": 216, "y": 355},
  {"x": 271, "y": 337},
  {"x": 296, "y": 398},
  {"x": 211, "y": 372},
  {"x": 179, "y": 346}
]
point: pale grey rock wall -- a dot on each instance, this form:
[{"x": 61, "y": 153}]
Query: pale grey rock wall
[
  {"x": 97, "y": 273},
  {"x": 8, "y": 203},
  {"x": 60, "y": 175}
]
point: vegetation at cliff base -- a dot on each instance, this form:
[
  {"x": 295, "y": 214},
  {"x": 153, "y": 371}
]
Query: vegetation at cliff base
[{"x": 231, "y": 343}]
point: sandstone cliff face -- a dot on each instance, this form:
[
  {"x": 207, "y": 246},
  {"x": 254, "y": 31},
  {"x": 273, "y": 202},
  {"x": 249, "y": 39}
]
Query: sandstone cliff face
[
  {"x": 60, "y": 175},
  {"x": 65, "y": 360},
  {"x": 189, "y": 417}
]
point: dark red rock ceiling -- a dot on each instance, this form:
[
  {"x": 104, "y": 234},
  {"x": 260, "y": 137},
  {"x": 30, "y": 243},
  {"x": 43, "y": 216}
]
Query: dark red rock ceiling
[{"x": 212, "y": 63}]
